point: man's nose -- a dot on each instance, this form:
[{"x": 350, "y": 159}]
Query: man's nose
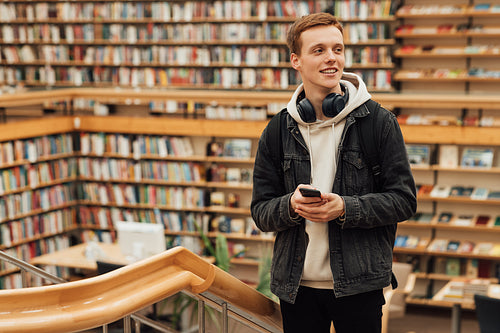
[{"x": 330, "y": 55}]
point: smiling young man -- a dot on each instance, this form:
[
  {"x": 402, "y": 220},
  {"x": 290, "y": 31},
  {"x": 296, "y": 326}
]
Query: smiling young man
[{"x": 333, "y": 253}]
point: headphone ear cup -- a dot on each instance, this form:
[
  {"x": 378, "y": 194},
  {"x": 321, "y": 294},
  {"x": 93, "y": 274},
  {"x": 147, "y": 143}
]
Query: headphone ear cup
[
  {"x": 306, "y": 111},
  {"x": 333, "y": 104}
]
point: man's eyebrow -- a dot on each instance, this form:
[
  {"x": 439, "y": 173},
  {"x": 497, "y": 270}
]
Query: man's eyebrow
[{"x": 316, "y": 45}]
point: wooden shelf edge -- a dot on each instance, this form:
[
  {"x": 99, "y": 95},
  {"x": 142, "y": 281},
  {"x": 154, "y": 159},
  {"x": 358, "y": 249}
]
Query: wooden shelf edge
[
  {"x": 172, "y": 126},
  {"x": 37, "y": 127}
]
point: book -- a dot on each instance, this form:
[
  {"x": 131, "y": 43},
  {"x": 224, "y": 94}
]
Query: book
[
  {"x": 233, "y": 200},
  {"x": 483, "y": 248},
  {"x": 240, "y": 148},
  {"x": 453, "y": 246},
  {"x": 477, "y": 157},
  {"x": 453, "y": 266},
  {"x": 233, "y": 175},
  {"x": 425, "y": 218},
  {"x": 482, "y": 6},
  {"x": 246, "y": 175},
  {"x": 215, "y": 148},
  {"x": 400, "y": 240},
  {"x": 497, "y": 222},
  {"x": 482, "y": 220},
  {"x": 495, "y": 251},
  {"x": 425, "y": 189},
  {"x": 412, "y": 241},
  {"x": 217, "y": 198},
  {"x": 495, "y": 195},
  {"x": 464, "y": 220},
  {"x": 224, "y": 224},
  {"x": 238, "y": 226},
  {"x": 419, "y": 154},
  {"x": 444, "y": 217},
  {"x": 461, "y": 191},
  {"x": 438, "y": 245},
  {"x": 471, "y": 268},
  {"x": 440, "y": 191},
  {"x": 466, "y": 246},
  {"x": 484, "y": 269},
  {"x": 479, "y": 193},
  {"x": 467, "y": 191},
  {"x": 439, "y": 265},
  {"x": 456, "y": 191}
]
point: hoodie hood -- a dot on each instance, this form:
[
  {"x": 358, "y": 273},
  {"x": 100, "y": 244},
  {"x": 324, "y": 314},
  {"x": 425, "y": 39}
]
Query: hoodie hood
[{"x": 358, "y": 94}]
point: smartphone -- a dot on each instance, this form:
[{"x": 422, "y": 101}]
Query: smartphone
[{"x": 310, "y": 192}]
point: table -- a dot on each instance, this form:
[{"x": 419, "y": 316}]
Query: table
[
  {"x": 456, "y": 304},
  {"x": 75, "y": 256}
]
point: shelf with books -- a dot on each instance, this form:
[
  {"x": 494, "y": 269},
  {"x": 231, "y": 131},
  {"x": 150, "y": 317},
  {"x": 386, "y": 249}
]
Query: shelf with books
[
  {"x": 446, "y": 75},
  {"x": 37, "y": 172},
  {"x": 32, "y": 228},
  {"x": 459, "y": 10},
  {"x": 455, "y": 219},
  {"x": 464, "y": 60},
  {"x": 484, "y": 51},
  {"x": 150, "y": 166},
  {"x": 230, "y": 45},
  {"x": 10, "y": 276}
]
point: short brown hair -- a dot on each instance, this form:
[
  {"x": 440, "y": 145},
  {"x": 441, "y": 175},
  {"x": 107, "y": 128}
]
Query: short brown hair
[{"x": 307, "y": 22}]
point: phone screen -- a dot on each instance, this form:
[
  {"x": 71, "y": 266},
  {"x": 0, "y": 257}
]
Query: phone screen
[{"x": 310, "y": 192}]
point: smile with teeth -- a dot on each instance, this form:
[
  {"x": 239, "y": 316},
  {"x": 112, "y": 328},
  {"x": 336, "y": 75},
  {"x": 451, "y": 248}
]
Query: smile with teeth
[{"x": 329, "y": 71}]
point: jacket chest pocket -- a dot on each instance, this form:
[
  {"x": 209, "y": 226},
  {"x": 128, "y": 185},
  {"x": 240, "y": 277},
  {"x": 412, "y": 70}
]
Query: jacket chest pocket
[
  {"x": 355, "y": 172},
  {"x": 296, "y": 170}
]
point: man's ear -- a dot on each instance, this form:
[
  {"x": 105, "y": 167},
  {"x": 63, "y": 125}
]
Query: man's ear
[{"x": 295, "y": 61}]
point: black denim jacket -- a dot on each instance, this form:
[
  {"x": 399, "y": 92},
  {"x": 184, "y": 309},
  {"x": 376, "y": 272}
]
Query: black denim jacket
[{"x": 361, "y": 247}]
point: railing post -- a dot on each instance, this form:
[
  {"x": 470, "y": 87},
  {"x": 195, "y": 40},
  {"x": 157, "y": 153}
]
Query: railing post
[
  {"x": 225, "y": 326},
  {"x": 137, "y": 326},
  {"x": 24, "y": 278},
  {"x": 201, "y": 316},
  {"x": 127, "y": 328}
]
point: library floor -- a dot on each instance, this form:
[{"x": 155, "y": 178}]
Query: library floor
[
  {"x": 431, "y": 320},
  {"x": 416, "y": 320}
]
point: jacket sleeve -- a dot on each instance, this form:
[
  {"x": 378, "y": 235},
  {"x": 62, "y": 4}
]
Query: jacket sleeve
[
  {"x": 270, "y": 200},
  {"x": 395, "y": 201}
]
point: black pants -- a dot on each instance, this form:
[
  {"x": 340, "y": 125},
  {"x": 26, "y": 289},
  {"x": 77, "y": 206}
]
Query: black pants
[{"x": 315, "y": 309}]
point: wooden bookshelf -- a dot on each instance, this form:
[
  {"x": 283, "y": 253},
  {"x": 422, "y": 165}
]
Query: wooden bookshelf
[
  {"x": 189, "y": 44},
  {"x": 459, "y": 58}
]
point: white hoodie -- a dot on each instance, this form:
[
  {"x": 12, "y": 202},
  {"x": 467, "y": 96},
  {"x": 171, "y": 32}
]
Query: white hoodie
[{"x": 322, "y": 138}]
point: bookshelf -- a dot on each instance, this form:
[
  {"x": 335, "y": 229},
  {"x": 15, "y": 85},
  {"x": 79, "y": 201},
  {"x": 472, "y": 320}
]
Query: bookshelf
[
  {"x": 37, "y": 175},
  {"x": 171, "y": 187},
  {"x": 71, "y": 177},
  {"x": 452, "y": 44},
  {"x": 455, "y": 231},
  {"x": 184, "y": 44},
  {"x": 448, "y": 49},
  {"x": 368, "y": 36}
]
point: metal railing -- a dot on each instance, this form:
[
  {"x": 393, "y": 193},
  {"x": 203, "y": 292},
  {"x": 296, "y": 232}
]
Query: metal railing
[{"x": 204, "y": 299}]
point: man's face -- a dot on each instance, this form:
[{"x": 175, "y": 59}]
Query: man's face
[{"x": 322, "y": 59}]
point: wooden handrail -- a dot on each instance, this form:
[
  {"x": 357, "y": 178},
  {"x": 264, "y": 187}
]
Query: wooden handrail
[{"x": 103, "y": 299}]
